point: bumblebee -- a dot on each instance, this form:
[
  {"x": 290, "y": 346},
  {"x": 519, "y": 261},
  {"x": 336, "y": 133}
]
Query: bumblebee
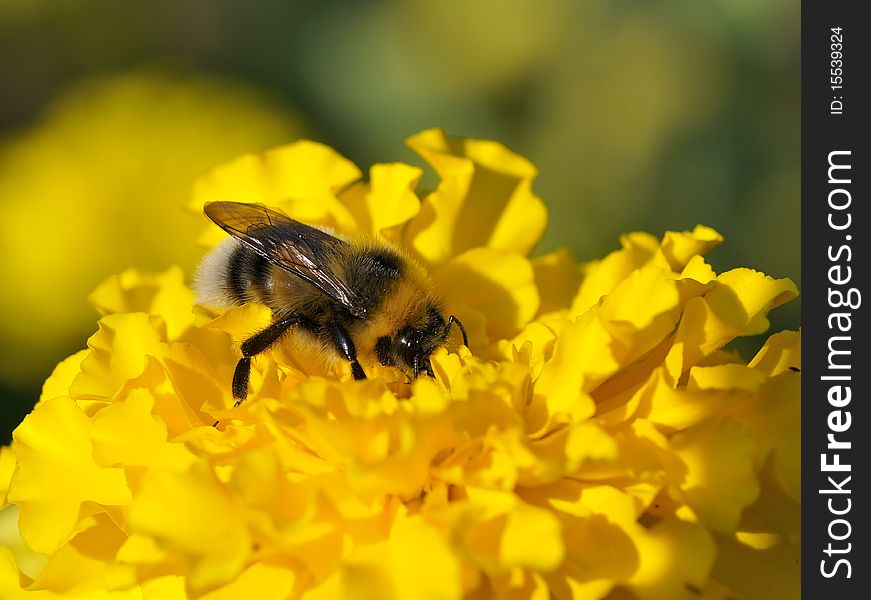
[{"x": 357, "y": 297}]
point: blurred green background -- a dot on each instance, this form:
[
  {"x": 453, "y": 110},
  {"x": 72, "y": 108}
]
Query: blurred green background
[{"x": 639, "y": 115}]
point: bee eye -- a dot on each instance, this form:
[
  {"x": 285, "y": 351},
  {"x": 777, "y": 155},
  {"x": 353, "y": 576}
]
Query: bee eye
[{"x": 407, "y": 344}]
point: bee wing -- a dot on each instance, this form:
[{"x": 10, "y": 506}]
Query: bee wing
[{"x": 303, "y": 250}]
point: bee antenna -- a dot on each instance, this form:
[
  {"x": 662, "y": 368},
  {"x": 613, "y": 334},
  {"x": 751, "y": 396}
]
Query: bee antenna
[{"x": 453, "y": 319}]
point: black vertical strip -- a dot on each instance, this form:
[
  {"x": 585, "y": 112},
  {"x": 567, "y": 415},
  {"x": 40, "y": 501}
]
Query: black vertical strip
[
  {"x": 836, "y": 420},
  {"x": 237, "y": 273},
  {"x": 260, "y": 271}
]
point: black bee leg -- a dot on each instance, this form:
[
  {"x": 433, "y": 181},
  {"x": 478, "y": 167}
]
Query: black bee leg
[
  {"x": 421, "y": 363},
  {"x": 427, "y": 366},
  {"x": 240, "y": 380},
  {"x": 257, "y": 344},
  {"x": 345, "y": 346}
]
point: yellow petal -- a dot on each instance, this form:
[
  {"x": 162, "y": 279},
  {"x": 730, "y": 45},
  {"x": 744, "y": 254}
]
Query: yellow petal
[
  {"x": 363, "y": 574},
  {"x": 679, "y": 247},
  {"x": 721, "y": 480},
  {"x": 532, "y": 538},
  {"x": 192, "y": 513},
  {"x": 162, "y": 294},
  {"x": 640, "y": 312},
  {"x": 167, "y": 587},
  {"x": 587, "y": 441},
  {"x": 599, "y": 552},
  {"x": 772, "y": 569},
  {"x": 502, "y": 531},
  {"x": 428, "y": 398},
  {"x": 600, "y": 277},
  {"x": 698, "y": 270},
  {"x": 127, "y": 434},
  {"x": 771, "y": 572},
  {"x": 779, "y": 353},
  {"x": 600, "y": 555},
  {"x": 300, "y": 178},
  {"x": 533, "y": 346},
  {"x": 595, "y": 589},
  {"x": 675, "y": 558},
  {"x": 501, "y": 285},
  {"x": 725, "y": 377},
  {"x": 737, "y": 304},
  {"x": 566, "y": 450},
  {"x": 581, "y": 359},
  {"x": 193, "y": 382},
  {"x": 241, "y": 322},
  {"x": 15, "y": 586},
  {"x": 11, "y": 579},
  {"x": 30, "y": 563},
  {"x": 774, "y": 417},
  {"x": 117, "y": 355},
  {"x": 557, "y": 277},
  {"x": 744, "y": 297},
  {"x": 436, "y": 577},
  {"x": 269, "y": 580},
  {"x": 261, "y": 481},
  {"x": 390, "y": 199},
  {"x": 643, "y": 457},
  {"x": 484, "y": 199},
  {"x": 520, "y": 583},
  {"x": 676, "y": 253},
  {"x": 681, "y": 408},
  {"x": 60, "y": 380},
  {"x": 80, "y": 565},
  {"x": 7, "y": 465},
  {"x": 139, "y": 549},
  {"x": 56, "y": 474},
  {"x": 404, "y": 469}
]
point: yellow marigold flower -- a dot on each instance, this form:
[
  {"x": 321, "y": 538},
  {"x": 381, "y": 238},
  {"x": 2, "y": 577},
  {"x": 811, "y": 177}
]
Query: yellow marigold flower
[{"x": 596, "y": 440}]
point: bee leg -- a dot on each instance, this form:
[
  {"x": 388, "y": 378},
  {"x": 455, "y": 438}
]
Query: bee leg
[
  {"x": 240, "y": 380},
  {"x": 257, "y": 344},
  {"x": 421, "y": 363},
  {"x": 345, "y": 346},
  {"x": 427, "y": 366}
]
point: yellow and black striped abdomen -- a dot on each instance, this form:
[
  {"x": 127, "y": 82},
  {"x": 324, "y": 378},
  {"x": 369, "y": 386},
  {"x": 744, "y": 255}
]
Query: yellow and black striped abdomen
[
  {"x": 249, "y": 276},
  {"x": 232, "y": 275}
]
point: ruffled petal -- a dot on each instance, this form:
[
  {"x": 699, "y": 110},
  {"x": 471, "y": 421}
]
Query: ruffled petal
[
  {"x": 56, "y": 478},
  {"x": 485, "y": 199},
  {"x": 301, "y": 179}
]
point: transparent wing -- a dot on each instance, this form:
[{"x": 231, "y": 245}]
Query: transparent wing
[{"x": 303, "y": 250}]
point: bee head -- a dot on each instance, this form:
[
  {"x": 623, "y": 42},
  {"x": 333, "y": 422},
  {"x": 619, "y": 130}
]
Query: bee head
[{"x": 413, "y": 344}]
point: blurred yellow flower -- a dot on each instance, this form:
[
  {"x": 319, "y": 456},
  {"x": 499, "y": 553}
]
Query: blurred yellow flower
[
  {"x": 113, "y": 160},
  {"x": 596, "y": 440}
]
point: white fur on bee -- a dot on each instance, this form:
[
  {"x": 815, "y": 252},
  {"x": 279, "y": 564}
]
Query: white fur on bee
[{"x": 210, "y": 279}]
